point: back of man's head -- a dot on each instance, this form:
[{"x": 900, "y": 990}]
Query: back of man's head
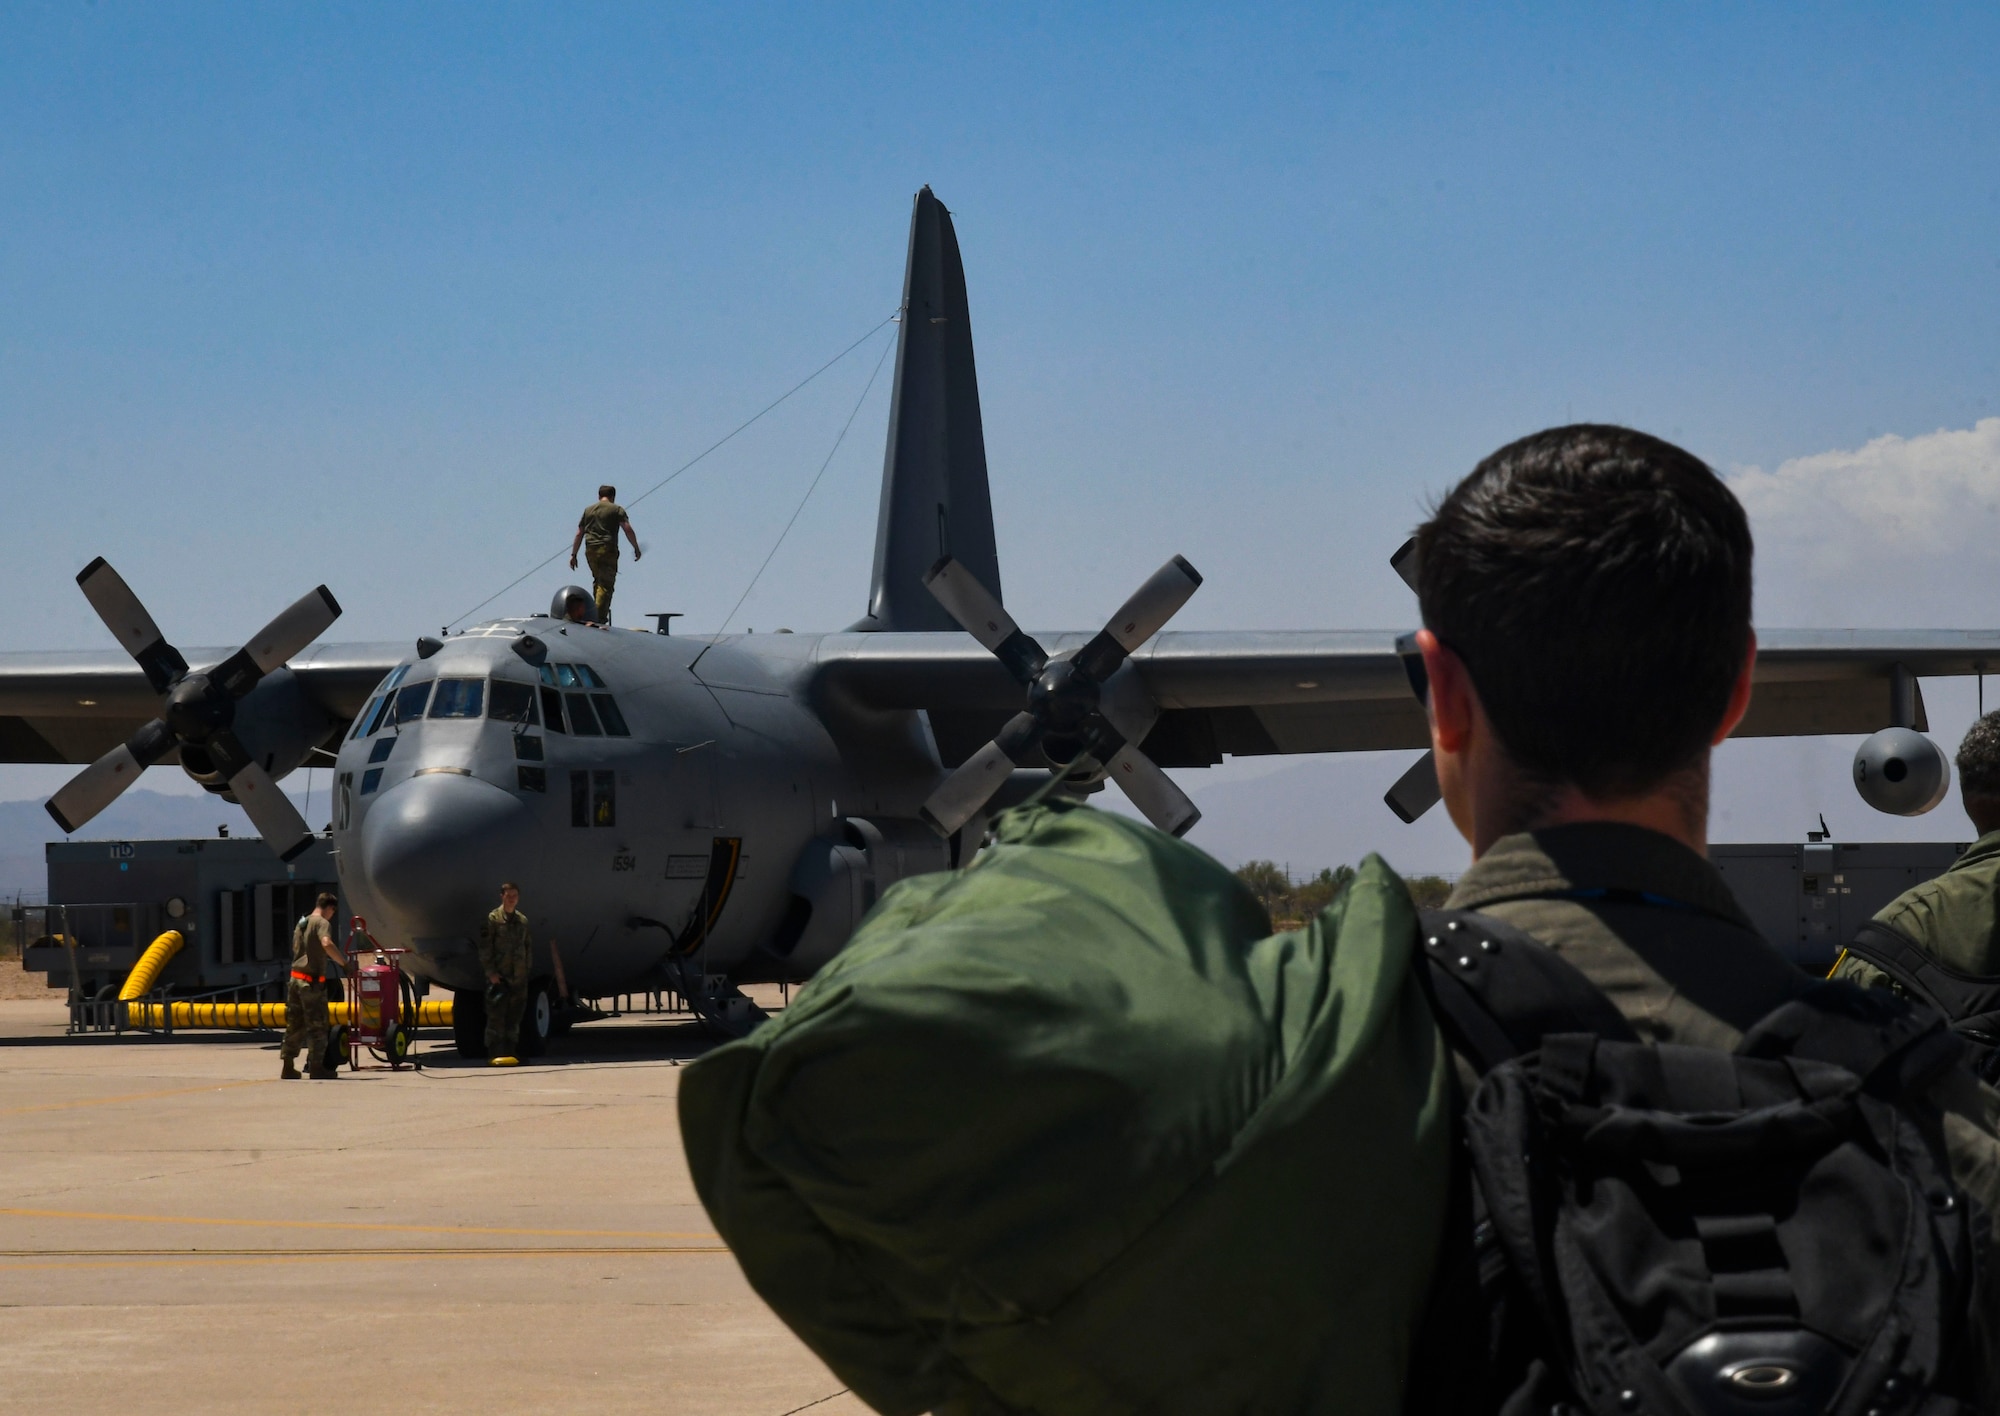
[
  {"x": 1596, "y": 584},
  {"x": 607, "y": 492},
  {"x": 1979, "y": 772}
]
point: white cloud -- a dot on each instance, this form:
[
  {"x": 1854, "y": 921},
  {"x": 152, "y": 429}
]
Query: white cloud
[{"x": 1897, "y": 531}]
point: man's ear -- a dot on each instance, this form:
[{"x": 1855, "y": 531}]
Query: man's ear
[
  {"x": 1739, "y": 696},
  {"x": 1451, "y": 694}
]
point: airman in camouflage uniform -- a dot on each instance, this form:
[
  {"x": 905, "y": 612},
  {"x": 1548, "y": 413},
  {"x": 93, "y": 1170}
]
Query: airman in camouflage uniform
[
  {"x": 597, "y": 532},
  {"x": 305, "y": 993},
  {"x": 1955, "y": 918},
  {"x": 505, "y": 954}
]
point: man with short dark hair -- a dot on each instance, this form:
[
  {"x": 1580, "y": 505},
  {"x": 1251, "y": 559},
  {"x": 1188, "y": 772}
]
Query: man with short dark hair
[
  {"x": 306, "y": 1020},
  {"x": 506, "y": 952},
  {"x": 1955, "y": 918},
  {"x": 597, "y": 532},
  {"x": 1586, "y": 644}
]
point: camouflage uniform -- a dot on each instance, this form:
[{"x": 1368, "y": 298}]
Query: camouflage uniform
[
  {"x": 600, "y": 523},
  {"x": 306, "y": 1022},
  {"x": 505, "y": 948},
  {"x": 1954, "y": 918}
]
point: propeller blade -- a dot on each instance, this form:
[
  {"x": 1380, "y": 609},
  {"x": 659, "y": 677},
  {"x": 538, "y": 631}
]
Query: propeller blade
[
  {"x": 1406, "y": 563},
  {"x": 1416, "y": 791},
  {"x": 129, "y": 623},
  {"x": 296, "y": 626},
  {"x": 99, "y": 784},
  {"x": 972, "y": 785},
  {"x": 1154, "y": 603},
  {"x": 984, "y": 618},
  {"x": 1139, "y": 618},
  {"x": 1152, "y": 790},
  {"x": 270, "y": 811}
]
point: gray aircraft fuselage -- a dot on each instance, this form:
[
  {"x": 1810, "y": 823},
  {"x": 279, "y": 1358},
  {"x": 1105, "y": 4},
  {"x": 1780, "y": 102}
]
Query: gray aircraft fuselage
[{"x": 678, "y": 835}]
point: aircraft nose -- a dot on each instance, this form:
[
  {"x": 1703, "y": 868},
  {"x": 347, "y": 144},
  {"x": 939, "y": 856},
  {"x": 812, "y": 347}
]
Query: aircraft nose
[{"x": 435, "y": 848}]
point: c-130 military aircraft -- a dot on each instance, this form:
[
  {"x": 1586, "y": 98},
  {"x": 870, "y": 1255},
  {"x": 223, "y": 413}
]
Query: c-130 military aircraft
[{"x": 700, "y": 812}]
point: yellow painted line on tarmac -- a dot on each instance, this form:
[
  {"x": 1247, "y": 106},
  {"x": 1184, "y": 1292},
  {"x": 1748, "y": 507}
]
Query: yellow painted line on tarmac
[
  {"x": 12, "y": 1261},
  {"x": 358, "y": 1227},
  {"x": 131, "y": 1096}
]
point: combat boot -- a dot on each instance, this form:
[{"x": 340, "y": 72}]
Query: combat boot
[
  {"x": 287, "y": 1073},
  {"x": 506, "y": 1062},
  {"x": 323, "y": 1074}
]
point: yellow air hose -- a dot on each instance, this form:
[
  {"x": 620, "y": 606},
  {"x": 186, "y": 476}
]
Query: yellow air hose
[
  {"x": 147, "y": 972},
  {"x": 431, "y": 1013}
]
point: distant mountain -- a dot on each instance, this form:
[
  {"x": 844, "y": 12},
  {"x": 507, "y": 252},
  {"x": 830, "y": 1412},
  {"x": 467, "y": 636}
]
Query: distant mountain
[{"x": 25, "y": 826}]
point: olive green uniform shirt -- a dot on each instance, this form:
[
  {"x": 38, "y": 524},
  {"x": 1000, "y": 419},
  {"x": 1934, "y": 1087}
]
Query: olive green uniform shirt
[
  {"x": 599, "y": 523},
  {"x": 1954, "y": 918},
  {"x": 505, "y": 947},
  {"x": 309, "y": 940},
  {"x": 1656, "y": 928}
]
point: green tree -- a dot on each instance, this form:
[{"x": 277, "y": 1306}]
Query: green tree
[{"x": 1429, "y": 891}]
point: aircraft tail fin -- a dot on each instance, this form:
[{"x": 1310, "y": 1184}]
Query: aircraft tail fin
[{"x": 935, "y": 500}]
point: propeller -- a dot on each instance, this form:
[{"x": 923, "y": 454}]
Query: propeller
[
  {"x": 1064, "y": 716},
  {"x": 1417, "y": 790},
  {"x": 199, "y": 711}
]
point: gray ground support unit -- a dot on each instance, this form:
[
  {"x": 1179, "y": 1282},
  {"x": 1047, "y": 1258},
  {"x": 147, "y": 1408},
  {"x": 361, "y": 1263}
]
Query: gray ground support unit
[
  {"x": 232, "y": 899},
  {"x": 1810, "y": 898}
]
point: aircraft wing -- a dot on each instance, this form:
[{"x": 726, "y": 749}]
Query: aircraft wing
[
  {"x": 74, "y": 706},
  {"x": 1255, "y": 693}
]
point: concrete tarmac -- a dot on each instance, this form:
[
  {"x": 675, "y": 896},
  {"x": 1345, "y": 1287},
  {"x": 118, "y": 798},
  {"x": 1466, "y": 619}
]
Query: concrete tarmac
[{"x": 180, "y": 1231}]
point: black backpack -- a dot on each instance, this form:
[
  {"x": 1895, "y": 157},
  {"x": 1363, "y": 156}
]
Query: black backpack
[
  {"x": 1970, "y": 1002},
  {"x": 1680, "y": 1231}
]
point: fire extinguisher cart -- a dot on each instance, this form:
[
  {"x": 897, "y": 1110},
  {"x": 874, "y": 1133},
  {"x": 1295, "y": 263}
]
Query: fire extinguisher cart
[{"x": 379, "y": 1019}]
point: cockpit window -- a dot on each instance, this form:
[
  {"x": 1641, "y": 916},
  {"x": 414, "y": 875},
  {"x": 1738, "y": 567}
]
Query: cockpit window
[
  {"x": 459, "y": 698},
  {"x": 566, "y": 676},
  {"x": 361, "y": 719},
  {"x": 512, "y": 702},
  {"x": 607, "y": 711},
  {"x": 548, "y": 675},
  {"x": 582, "y": 721},
  {"x": 552, "y": 717},
  {"x": 409, "y": 702},
  {"x": 396, "y": 676},
  {"x": 589, "y": 677}
]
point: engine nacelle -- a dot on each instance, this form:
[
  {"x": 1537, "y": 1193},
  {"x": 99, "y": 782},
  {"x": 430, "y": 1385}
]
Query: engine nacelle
[
  {"x": 278, "y": 724},
  {"x": 1901, "y": 771},
  {"x": 839, "y": 877}
]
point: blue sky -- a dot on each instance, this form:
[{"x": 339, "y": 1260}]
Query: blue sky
[{"x": 377, "y": 295}]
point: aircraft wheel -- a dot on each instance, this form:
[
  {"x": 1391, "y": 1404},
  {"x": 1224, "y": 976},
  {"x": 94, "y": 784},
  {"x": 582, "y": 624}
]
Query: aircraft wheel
[
  {"x": 468, "y": 1022},
  {"x": 538, "y": 1019}
]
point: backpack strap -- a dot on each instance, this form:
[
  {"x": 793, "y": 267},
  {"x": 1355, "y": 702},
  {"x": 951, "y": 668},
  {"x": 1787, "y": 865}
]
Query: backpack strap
[
  {"x": 1970, "y": 1001},
  {"x": 1497, "y": 991}
]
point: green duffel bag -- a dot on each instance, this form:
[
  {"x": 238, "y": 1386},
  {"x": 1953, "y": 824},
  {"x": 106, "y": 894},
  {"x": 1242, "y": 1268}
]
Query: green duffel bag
[{"x": 1065, "y": 1133}]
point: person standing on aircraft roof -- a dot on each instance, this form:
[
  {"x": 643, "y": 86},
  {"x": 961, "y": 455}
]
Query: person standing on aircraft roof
[
  {"x": 505, "y": 953},
  {"x": 306, "y": 1023},
  {"x": 597, "y": 533},
  {"x": 1955, "y": 918}
]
